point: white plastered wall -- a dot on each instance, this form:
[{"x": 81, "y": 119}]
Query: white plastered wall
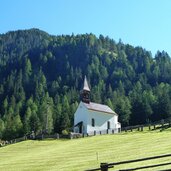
[
  {"x": 101, "y": 120},
  {"x": 81, "y": 115}
]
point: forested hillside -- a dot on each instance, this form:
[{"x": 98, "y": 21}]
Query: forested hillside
[{"x": 41, "y": 77}]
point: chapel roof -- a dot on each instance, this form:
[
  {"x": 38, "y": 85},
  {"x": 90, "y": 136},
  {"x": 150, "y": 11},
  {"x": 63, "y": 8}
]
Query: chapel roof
[{"x": 99, "y": 108}]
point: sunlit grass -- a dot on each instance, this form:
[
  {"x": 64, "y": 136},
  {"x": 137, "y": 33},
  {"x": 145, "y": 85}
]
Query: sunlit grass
[{"x": 85, "y": 153}]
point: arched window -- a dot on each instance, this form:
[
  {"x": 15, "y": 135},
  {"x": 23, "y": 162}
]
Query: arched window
[
  {"x": 108, "y": 124},
  {"x": 92, "y": 122}
]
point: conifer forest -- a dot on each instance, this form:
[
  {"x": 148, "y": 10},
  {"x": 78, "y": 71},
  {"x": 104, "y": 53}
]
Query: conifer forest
[{"x": 41, "y": 77}]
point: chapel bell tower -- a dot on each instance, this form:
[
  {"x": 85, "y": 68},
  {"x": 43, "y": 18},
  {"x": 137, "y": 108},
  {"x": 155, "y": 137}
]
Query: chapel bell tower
[{"x": 85, "y": 93}]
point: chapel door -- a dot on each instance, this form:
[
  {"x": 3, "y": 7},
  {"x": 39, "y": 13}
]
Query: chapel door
[
  {"x": 81, "y": 128},
  {"x": 108, "y": 125}
]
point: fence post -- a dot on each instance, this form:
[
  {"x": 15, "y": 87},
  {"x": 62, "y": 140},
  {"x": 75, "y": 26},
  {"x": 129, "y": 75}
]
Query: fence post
[
  {"x": 162, "y": 123},
  {"x": 57, "y": 136},
  {"x": 94, "y": 132},
  {"x": 104, "y": 166},
  {"x": 125, "y": 129},
  {"x": 141, "y": 128},
  {"x": 70, "y": 136},
  {"x": 149, "y": 127}
]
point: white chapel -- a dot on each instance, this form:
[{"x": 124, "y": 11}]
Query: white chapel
[{"x": 91, "y": 117}]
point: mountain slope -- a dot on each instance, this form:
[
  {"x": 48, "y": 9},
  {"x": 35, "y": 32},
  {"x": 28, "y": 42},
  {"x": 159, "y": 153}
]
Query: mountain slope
[{"x": 43, "y": 74}]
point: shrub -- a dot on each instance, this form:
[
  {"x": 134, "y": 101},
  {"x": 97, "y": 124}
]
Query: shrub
[{"x": 65, "y": 132}]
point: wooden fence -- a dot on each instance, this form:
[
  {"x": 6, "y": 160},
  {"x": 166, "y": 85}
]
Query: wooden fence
[
  {"x": 107, "y": 166},
  {"x": 4, "y": 143},
  {"x": 103, "y": 132},
  {"x": 162, "y": 124},
  {"x": 71, "y": 135}
]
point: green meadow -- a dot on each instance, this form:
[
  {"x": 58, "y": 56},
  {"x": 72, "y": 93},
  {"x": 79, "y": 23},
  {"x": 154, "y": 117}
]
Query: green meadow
[{"x": 86, "y": 153}]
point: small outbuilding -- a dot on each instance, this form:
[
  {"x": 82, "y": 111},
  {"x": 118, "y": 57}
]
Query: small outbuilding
[{"x": 91, "y": 118}]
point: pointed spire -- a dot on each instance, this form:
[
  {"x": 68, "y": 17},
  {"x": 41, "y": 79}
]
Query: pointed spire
[
  {"x": 85, "y": 93},
  {"x": 86, "y": 87}
]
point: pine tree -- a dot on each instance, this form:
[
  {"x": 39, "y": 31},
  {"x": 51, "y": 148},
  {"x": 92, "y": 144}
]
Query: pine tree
[
  {"x": 27, "y": 128},
  {"x": 64, "y": 119},
  {"x": 2, "y": 128}
]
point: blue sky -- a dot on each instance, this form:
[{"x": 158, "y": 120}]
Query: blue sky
[{"x": 145, "y": 23}]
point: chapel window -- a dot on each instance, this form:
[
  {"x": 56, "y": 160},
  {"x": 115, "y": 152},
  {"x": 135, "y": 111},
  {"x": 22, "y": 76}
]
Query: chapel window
[{"x": 93, "y": 122}]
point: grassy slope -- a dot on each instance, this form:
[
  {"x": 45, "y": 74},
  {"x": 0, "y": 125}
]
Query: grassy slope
[{"x": 85, "y": 153}]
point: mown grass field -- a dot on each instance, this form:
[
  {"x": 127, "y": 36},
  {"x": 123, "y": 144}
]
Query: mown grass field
[{"x": 85, "y": 153}]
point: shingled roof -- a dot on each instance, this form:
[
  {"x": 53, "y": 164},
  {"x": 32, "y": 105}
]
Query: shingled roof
[{"x": 99, "y": 108}]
